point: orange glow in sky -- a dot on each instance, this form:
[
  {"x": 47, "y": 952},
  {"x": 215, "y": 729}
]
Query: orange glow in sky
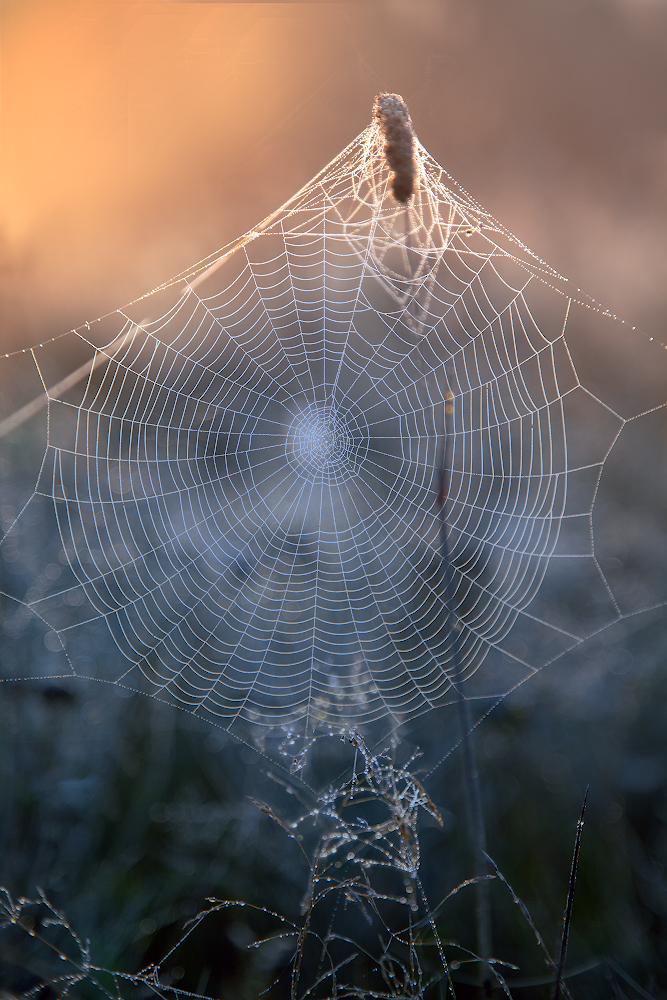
[
  {"x": 105, "y": 100},
  {"x": 138, "y": 137}
]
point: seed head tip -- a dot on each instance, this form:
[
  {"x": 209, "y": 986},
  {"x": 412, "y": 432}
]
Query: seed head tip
[{"x": 392, "y": 117}]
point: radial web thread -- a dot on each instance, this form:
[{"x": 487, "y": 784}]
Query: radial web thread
[{"x": 246, "y": 476}]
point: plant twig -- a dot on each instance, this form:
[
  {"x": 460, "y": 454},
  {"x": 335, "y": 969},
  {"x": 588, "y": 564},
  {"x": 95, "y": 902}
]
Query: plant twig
[
  {"x": 472, "y": 791},
  {"x": 570, "y": 899}
]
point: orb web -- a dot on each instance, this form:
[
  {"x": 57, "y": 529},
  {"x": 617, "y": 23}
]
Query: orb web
[{"x": 245, "y": 470}]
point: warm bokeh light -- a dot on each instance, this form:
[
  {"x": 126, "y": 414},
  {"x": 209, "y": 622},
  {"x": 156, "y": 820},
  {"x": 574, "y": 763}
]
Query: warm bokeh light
[
  {"x": 112, "y": 110},
  {"x": 98, "y": 95},
  {"x": 138, "y": 137}
]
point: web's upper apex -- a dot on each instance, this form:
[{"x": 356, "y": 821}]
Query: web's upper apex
[{"x": 393, "y": 120}]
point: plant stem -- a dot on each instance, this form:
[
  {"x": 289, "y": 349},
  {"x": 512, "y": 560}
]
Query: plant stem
[
  {"x": 567, "y": 916},
  {"x": 471, "y": 782}
]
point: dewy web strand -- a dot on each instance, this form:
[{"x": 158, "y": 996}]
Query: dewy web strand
[{"x": 243, "y": 470}]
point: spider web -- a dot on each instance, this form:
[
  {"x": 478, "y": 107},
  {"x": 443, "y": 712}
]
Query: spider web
[{"x": 246, "y": 467}]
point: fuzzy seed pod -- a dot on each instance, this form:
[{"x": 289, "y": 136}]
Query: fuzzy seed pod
[{"x": 393, "y": 118}]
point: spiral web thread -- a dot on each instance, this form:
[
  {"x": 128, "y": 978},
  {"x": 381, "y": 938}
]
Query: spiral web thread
[{"x": 246, "y": 481}]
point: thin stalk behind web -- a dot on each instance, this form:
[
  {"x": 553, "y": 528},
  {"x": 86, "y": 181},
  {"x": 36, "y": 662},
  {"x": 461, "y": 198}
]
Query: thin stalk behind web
[{"x": 471, "y": 783}]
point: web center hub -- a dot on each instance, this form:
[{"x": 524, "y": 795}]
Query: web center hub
[{"x": 326, "y": 443}]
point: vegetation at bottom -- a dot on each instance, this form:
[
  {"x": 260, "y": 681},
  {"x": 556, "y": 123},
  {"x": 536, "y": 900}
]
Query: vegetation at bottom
[{"x": 130, "y": 817}]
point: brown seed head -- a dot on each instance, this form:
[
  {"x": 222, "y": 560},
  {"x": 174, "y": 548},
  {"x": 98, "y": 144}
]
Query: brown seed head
[{"x": 393, "y": 118}]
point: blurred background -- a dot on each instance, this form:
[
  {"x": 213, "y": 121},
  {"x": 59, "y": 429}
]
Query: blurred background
[
  {"x": 136, "y": 139},
  {"x": 139, "y": 137}
]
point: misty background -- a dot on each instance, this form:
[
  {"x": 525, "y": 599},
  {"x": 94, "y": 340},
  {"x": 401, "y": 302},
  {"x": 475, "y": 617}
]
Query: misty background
[
  {"x": 136, "y": 139},
  {"x": 139, "y": 137}
]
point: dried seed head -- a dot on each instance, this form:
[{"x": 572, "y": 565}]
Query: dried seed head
[{"x": 393, "y": 119}]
